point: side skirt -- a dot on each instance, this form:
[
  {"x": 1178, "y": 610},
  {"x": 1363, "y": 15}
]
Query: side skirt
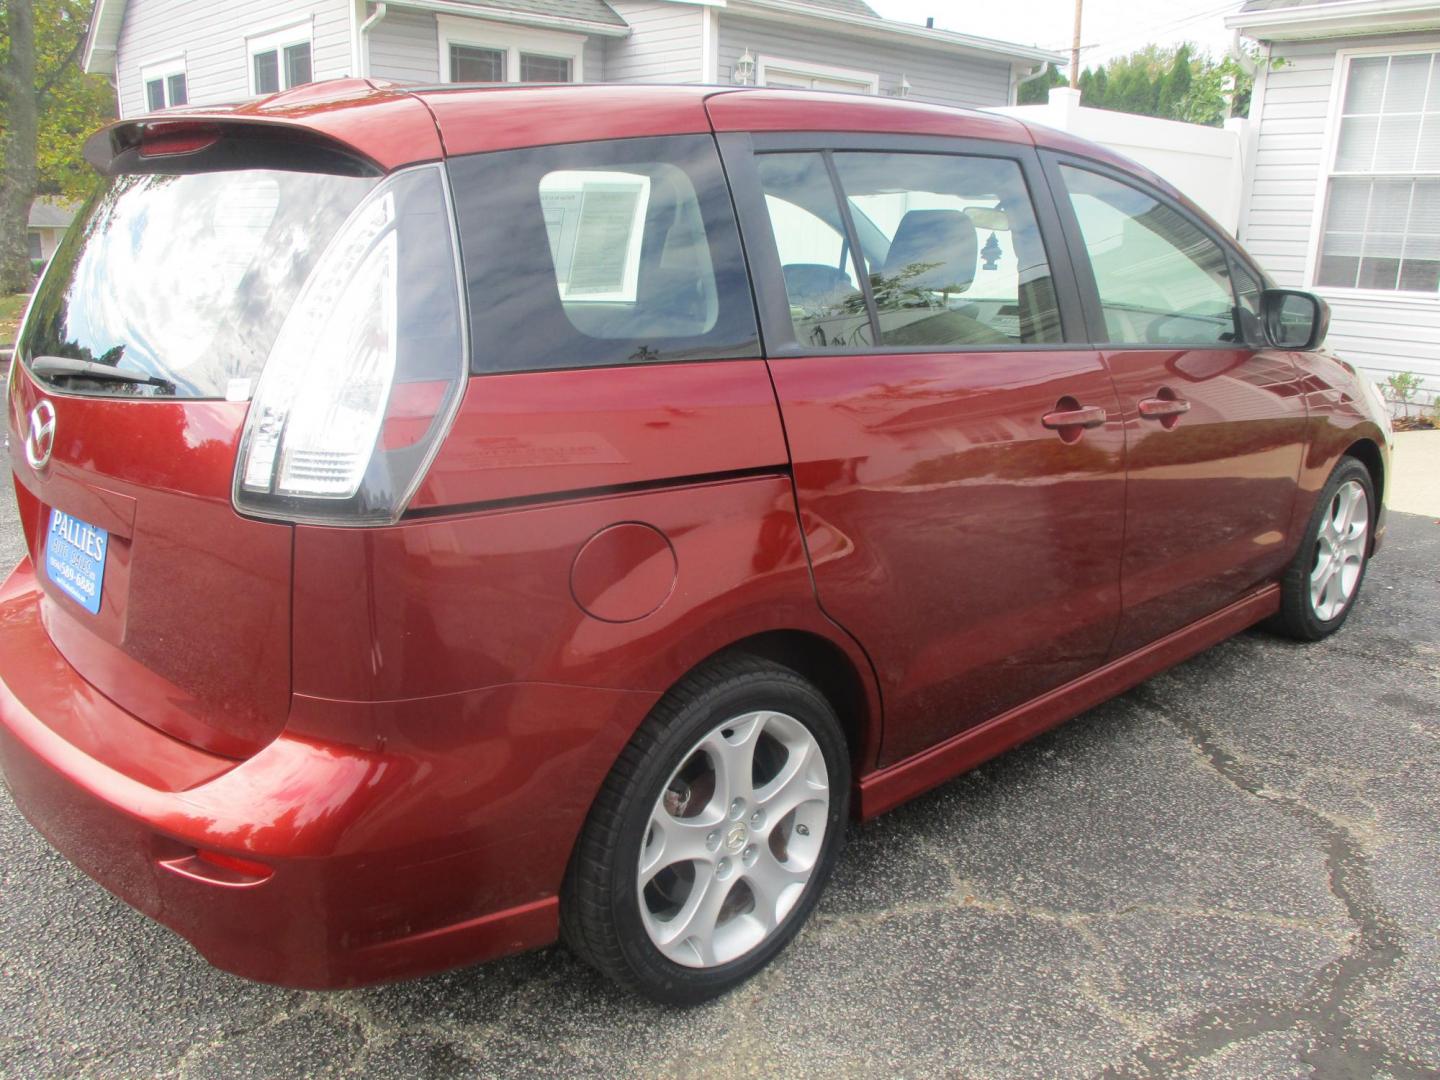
[{"x": 887, "y": 788}]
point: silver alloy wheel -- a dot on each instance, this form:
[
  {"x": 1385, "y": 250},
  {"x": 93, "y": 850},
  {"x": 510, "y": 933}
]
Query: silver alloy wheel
[
  {"x": 733, "y": 839},
  {"x": 1340, "y": 551}
]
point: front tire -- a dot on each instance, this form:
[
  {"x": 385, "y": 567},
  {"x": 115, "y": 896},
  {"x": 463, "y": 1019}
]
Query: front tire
[
  {"x": 1320, "y": 585},
  {"x": 711, "y": 840}
]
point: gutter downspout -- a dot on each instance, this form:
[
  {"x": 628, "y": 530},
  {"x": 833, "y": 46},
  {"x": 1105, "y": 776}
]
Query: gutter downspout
[
  {"x": 376, "y": 17},
  {"x": 1015, "y": 83},
  {"x": 1239, "y": 55}
]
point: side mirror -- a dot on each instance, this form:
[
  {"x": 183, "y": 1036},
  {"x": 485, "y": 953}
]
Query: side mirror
[{"x": 1294, "y": 320}]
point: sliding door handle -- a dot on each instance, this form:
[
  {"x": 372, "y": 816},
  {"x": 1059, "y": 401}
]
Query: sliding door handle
[
  {"x": 1158, "y": 408},
  {"x": 1086, "y": 416}
]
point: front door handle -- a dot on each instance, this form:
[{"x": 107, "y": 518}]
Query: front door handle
[
  {"x": 1158, "y": 408},
  {"x": 1085, "y": 416}
]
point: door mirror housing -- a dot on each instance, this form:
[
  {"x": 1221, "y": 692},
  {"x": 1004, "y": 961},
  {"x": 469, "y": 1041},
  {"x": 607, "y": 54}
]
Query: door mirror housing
[{"x": 1294, "y": 320}]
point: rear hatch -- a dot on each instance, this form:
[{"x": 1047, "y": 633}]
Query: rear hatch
[
  {"x": 138, "y": 370},
  {"x": 156, "y": 590}
]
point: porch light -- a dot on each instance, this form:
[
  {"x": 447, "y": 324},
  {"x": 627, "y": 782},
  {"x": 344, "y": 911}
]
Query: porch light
[{"x": 744, "y": 69}]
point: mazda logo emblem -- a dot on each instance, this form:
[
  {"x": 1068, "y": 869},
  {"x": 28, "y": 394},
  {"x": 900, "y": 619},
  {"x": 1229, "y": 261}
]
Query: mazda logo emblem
[{"x": 41, "y": 439}]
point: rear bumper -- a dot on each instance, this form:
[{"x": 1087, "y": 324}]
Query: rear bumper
[{"x": 326, "y": 864}]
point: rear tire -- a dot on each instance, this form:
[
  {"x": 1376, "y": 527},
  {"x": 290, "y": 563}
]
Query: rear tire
[
  {"x": 711, "y": 840},
  {"x": 1321, "y": 583}
]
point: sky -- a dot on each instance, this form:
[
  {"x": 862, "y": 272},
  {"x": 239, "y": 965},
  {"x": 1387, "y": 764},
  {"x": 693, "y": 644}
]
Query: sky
[{"x": 1109, "y": 28}]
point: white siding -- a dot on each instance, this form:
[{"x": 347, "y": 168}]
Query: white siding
[
  {"x": 405, "y": 46},
  {"x": 595, "y": 60},
  {"x": 663, "y": 46},
  {"x": 1382, "y": 333},
  {"x": 943, "y": 77},
  {"x": 211, "y": 34}
]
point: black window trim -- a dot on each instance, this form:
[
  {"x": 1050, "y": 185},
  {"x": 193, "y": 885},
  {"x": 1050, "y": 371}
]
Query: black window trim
[
  {"x": 1084, "y": 274},
  {"x": 738, "y": 151},
  {"x": 1237, "y": 261},
  {"x": 853, "y": 249}
]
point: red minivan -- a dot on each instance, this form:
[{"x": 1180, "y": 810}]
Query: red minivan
[{"x": 464, "y": 517}]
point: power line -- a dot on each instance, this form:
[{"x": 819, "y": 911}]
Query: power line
[
  {"x": 1173, "y": 24},
  {"x": 1161, "y": 27}
]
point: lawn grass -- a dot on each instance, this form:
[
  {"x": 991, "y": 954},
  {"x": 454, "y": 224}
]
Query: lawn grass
[{"x": 11, "y": 308}]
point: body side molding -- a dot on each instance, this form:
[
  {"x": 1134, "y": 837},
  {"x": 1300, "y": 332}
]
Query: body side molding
[{"x": 887, "y": 788}]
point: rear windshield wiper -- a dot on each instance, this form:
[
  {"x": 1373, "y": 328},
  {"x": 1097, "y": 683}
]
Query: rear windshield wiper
[{"x": 64, "y": 367}]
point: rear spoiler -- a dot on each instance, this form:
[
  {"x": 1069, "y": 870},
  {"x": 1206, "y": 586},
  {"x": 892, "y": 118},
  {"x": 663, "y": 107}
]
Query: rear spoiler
[
  {"x": 349, "y": 127},
  {"x": 194, "y": 146}
]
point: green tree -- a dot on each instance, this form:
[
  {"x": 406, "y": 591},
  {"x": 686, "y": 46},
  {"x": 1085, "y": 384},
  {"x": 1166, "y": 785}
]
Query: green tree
[
  {"x": 47, "y": 106},
  {"x": 1037, "y": 91},
  {"x": 1175, "y": 85},
  {"x": 1172, "y": 83},
  {"x": 1132, "y": 90},
  {"x": 1135, "y": 80},
  {"x": 1221, "y": 90},
  {"x": 1099, "y": 89}
]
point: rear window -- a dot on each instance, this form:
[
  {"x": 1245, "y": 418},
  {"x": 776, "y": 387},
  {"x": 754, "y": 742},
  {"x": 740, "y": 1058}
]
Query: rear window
[
  {"x": 184, "y": 279},
  {"x": 602, "y": 253}
]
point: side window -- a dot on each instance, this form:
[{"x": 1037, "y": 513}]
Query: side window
[
  {"x": 952, "y": 248},
  {"x": 949, "y": 244},
  {"x": 1161, "y": 280},
  {"x": 826, "y": 304},
  {"x": 595, "y": 254}
]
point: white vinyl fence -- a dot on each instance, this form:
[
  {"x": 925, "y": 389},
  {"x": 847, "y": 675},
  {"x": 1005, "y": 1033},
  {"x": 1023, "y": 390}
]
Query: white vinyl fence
[{"x": 1206, "y": 163}]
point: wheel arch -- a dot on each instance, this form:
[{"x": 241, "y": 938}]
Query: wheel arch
[
  {"x": 1367, "y": 452},
  {"x": 834, "y": 672}
]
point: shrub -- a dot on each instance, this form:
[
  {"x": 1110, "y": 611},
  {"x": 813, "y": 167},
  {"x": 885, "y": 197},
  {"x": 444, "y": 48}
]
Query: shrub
[{"x": 1403, "y": 387}]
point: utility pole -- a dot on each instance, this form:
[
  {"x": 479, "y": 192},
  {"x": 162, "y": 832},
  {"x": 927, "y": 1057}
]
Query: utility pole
[{"x": 1075, "y": 51}]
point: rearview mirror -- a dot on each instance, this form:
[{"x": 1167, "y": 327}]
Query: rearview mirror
[
  {"x": 1293, "y": 319},
  {"x": 987, "y": 217}
]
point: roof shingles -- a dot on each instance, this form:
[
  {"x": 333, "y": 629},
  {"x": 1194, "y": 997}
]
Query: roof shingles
[
  {"x": 844, "y": 7},
  {"x": 51, "y": 214},
  {"x": 593, "y": 11},
  {"x": 1271, "y": 5}
]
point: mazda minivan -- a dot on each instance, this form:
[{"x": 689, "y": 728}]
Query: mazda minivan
[{"x": 462, "y": 518}]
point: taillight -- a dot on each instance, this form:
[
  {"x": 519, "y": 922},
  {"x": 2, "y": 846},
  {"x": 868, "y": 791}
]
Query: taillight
[{"x": 375, "y": 345}]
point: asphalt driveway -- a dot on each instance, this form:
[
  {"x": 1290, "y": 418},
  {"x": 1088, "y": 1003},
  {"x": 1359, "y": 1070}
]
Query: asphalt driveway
[{"x": 1232, "y": 871}]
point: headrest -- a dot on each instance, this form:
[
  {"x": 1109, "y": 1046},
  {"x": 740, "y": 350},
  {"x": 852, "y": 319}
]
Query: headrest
[
  {"x": 815, "y": 284},
  {"x": 944, "y": 238}
]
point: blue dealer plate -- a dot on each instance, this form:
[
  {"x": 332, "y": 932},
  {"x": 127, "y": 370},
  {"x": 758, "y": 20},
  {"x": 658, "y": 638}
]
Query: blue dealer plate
[{"x": 75, "y": 558}]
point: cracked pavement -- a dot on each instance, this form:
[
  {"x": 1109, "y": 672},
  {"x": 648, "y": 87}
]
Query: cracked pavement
[{"x": 1233, "y": 870}]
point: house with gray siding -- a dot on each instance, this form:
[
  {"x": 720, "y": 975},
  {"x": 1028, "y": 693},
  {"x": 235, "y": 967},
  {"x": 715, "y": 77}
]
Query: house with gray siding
[
  {"x": 1343, "y": 192},
  {"x": 46, "y": 225},
  {"x": 166, "y": 53}
]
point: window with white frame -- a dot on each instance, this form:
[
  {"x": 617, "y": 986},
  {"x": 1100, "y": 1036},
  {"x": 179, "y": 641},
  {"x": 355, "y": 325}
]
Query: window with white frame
[
  {"x": 1381, "y": 226},
  {"x": 472, "y": 50},
  {"x": 164, "y": 84},
  {"x": 802, "y": 75},
  {"x": 280, "y": 59}
]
